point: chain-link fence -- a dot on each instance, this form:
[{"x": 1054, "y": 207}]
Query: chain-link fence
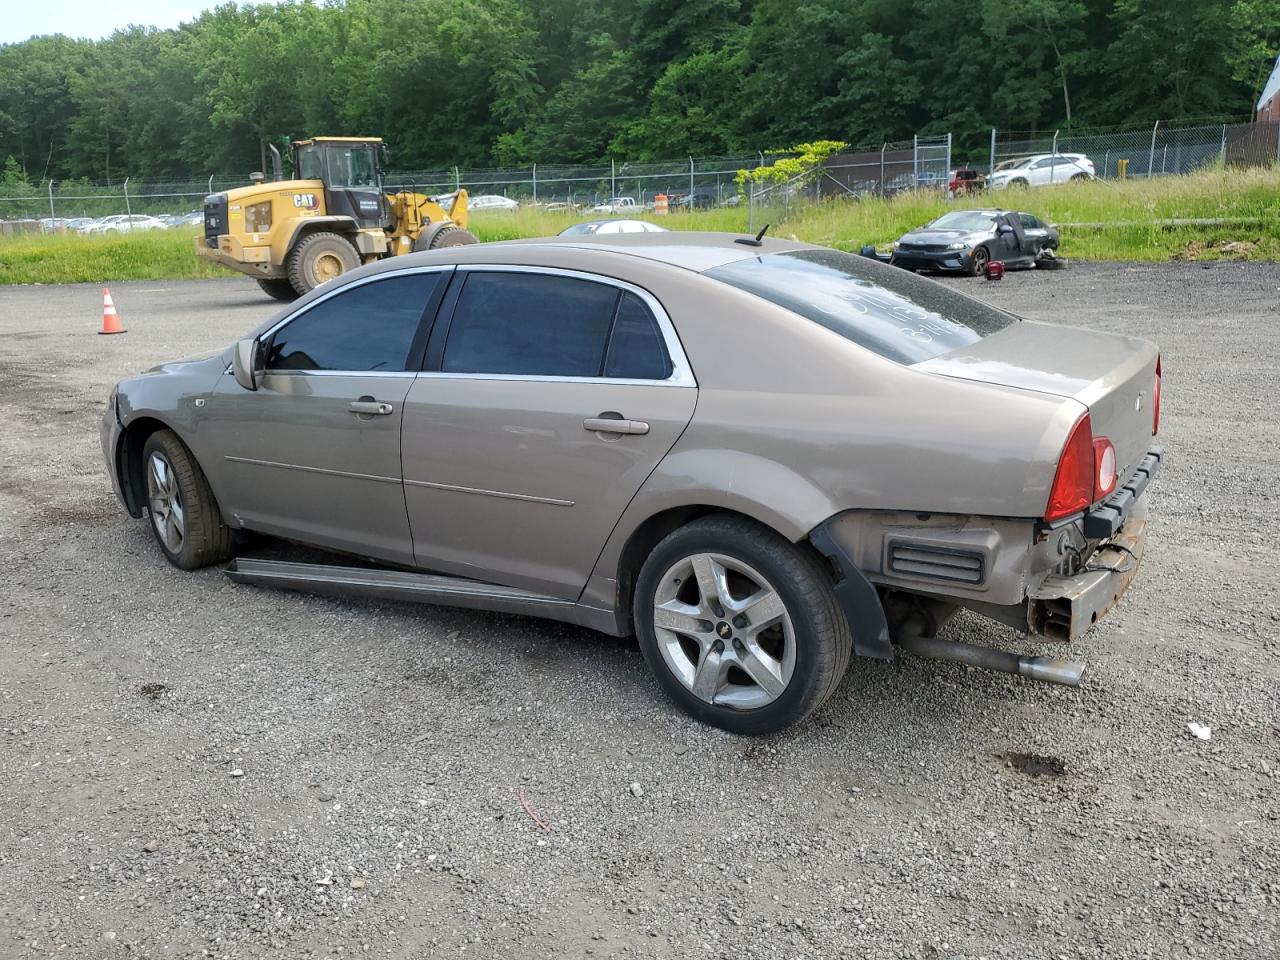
[
  {"x": 924, "y": 162},
  {"x": 889, "y": 169},
  {"x": 686, "y": 182},
  {"x": 1152, "y": 151}
]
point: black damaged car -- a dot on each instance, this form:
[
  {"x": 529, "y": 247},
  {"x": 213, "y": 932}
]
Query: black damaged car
[{"x": 966, "y": 241}]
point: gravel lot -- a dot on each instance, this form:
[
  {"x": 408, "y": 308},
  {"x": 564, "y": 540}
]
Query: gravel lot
[{"x": 193, "y": 768}]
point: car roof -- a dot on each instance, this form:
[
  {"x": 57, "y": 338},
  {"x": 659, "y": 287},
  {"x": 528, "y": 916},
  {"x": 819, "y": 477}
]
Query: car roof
[
  {"x": 689, "y": 250},
  {"x": 676, "y": 250}
]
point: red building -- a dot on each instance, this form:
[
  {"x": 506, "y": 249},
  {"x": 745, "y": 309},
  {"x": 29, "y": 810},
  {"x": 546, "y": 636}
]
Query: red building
[{"x": 1268, "y": 109}]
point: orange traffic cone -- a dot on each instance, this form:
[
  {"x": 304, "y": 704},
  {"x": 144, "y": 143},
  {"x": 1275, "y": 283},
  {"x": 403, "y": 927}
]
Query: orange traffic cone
[{"x": 110, "y": 319}]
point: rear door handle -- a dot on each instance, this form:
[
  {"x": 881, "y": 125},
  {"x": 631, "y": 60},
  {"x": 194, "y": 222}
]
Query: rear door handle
[
  {"x": 370, "y": 408},
  {"x": 614, "y": 425}
]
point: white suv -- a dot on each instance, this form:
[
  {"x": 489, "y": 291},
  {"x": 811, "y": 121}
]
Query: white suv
[{"x": 1043, "y": 170}]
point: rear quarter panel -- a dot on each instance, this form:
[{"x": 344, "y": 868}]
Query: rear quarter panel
[{"x": 795, "y": 424}]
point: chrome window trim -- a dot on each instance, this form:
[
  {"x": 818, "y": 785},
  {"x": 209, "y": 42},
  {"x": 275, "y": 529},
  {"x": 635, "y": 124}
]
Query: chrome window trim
[{"x": 681, "y": 372}]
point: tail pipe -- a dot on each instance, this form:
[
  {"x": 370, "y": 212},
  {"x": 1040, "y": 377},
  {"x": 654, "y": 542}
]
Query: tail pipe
[
  {"x": 277, "y": 168},
  {"x": 1045, "y": 669}
]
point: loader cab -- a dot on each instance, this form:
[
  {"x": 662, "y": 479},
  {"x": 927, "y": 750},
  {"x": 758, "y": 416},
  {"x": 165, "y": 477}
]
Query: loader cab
[{"x": 352, "y": 175}]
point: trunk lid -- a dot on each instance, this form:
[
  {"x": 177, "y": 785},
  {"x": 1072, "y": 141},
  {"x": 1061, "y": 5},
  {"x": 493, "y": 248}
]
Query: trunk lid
[{"x": 1110, "y": 374}]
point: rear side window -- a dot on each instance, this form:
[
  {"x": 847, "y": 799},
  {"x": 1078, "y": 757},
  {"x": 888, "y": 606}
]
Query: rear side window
[
  {"x": 530, "y": 324},
  {"x": 636, "y": 349},
  {"x": 890, "y": 311},
  {"x": 369, "y": 327}
]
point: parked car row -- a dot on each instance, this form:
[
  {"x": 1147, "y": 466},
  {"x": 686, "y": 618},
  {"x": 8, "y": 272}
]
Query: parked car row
[
  {"x": 116, "y": 223},
  {"x": 697, "y": 200}
]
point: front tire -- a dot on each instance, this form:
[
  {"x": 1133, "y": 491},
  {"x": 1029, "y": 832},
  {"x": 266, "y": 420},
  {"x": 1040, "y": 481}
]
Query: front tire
[
  {"x": 184, "y": 517},
  {"x": 740, "y": 627},
  {"x": 978, "y": 261},
  {"x": 278, "y": 288},
  {"x": 318, "y": 258}
]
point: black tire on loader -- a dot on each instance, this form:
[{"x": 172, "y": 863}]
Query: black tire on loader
[
  {"x": 447, "y": 236},
  {"x": 318, "y": 257},
  {"x": 278, "y": 288}
]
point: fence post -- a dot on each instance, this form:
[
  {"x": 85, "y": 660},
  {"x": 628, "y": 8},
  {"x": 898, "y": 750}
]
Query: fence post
[
  {"x": 1106, "y": 162},
  {"x": 127, "y": 207},
  {"x": 1151, "y": 159},
  {"x": 948, "y": 170},
  {"x": 915, "y": 161},
  {"x": 211, "y": 183},
  {"x": 1224, "y": 143},
  {"x": 691, "y": 183},
  {"x": 535, "y": 183},
  {"x": 457, "y": 179},
  {"x": 1053, "y": 151},
  {"x": 992, "y": 168},
  {"x": 613, "y": 179},
  {"x": 52, "y": 215},
  {"x": 883, "y": 147}
]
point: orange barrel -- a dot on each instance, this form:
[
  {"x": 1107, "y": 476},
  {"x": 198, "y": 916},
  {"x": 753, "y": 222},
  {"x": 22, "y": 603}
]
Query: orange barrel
[{"x": 660, "y": 205}]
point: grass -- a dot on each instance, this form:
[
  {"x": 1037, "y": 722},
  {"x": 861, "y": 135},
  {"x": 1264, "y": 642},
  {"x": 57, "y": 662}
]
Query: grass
[
  {"x": 70, "y": 258},
  {"x": 1101, "y": 221}
]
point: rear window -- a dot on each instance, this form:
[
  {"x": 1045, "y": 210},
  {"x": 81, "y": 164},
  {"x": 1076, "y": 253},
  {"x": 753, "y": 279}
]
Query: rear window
[{"x": 888, "y": 310}]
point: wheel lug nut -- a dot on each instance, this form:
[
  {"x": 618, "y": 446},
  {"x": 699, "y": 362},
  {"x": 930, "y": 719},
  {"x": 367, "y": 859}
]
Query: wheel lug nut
[{"x": 718, "y": 646}]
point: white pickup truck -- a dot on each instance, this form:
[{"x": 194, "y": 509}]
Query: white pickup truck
[{"x": 617, "y": 205}]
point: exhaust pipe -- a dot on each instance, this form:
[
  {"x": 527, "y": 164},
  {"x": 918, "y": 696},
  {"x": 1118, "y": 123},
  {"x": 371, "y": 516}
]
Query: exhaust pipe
[{"x": 1044, "y": 669}]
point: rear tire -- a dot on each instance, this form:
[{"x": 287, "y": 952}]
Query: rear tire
[
  {"x": 1020, "y": 183},
  {"x": 182, "y": 512},
  {"x": 278, "y": 288},
  {"x": 319, "y": 257},
  {"x": 452, "y": 237},
  {"x": 741, "y": 628}
]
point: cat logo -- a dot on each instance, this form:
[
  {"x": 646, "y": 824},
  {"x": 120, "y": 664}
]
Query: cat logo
[{"x": 306, "y": 201}]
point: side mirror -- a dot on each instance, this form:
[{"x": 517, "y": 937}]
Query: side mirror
[
  {"x": 1004, "y": 228},
  {"x": 247, "y": 363}
]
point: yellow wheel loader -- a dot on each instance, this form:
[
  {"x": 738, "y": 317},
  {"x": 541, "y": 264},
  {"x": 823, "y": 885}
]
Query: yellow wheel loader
[{"x": 293, "y": 235}]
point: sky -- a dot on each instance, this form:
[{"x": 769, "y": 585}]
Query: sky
[{"x": 20, "y": 19}]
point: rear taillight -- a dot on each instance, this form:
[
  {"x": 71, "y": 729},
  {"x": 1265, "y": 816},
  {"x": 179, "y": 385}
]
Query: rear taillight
[
  {"x": 1155, "y": 402},
  {"x": 1086, "y": 472},
  {"x": 1072, "y": 488}
]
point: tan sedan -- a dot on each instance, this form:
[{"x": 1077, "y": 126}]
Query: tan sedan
[{"x": 760, "y": 458}]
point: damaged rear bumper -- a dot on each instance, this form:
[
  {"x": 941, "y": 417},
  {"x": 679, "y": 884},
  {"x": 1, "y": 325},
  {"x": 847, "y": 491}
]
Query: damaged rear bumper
[{"x": 1066, "y": 607}]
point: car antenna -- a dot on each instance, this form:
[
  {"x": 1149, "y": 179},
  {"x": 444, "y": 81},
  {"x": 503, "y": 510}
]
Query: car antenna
[{"x": 749, "y": 241}]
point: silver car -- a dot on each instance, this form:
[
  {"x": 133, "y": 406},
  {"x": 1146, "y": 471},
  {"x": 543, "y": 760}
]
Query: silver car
[{"x": 760, "y": 457}]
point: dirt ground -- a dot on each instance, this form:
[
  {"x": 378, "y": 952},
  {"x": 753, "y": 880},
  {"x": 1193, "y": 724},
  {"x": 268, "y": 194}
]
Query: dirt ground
[{"x": 191, "y": 768}]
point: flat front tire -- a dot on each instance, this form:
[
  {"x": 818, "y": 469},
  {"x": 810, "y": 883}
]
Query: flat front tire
[
  {"x": 183, "y": 515},
  {"x": 740, "y": 627}
]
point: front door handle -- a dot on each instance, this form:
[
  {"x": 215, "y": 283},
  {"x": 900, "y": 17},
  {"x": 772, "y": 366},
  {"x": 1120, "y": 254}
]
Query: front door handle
[
  {"x": 370, "y": 408},
  {"x": 615, "y": 425}
]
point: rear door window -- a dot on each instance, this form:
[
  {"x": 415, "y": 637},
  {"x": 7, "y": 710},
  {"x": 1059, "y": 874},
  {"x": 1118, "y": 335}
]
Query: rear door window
[
  {"x": 369, "y": 327},
  {"x": 530, "y": 324},
  {"x": 636, "y": 348},
  {"x": 890, "y": 311}
]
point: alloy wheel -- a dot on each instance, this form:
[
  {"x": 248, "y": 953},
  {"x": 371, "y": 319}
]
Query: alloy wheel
[
  {"x": 724, "y": 631},
  {"x": 165, "y": 500}
]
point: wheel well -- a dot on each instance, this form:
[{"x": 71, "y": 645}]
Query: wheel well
[
  {"x": 129, "y": 463},
  {"x": 343, "y": 228},
  {"x": 647, "y": 536}
]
